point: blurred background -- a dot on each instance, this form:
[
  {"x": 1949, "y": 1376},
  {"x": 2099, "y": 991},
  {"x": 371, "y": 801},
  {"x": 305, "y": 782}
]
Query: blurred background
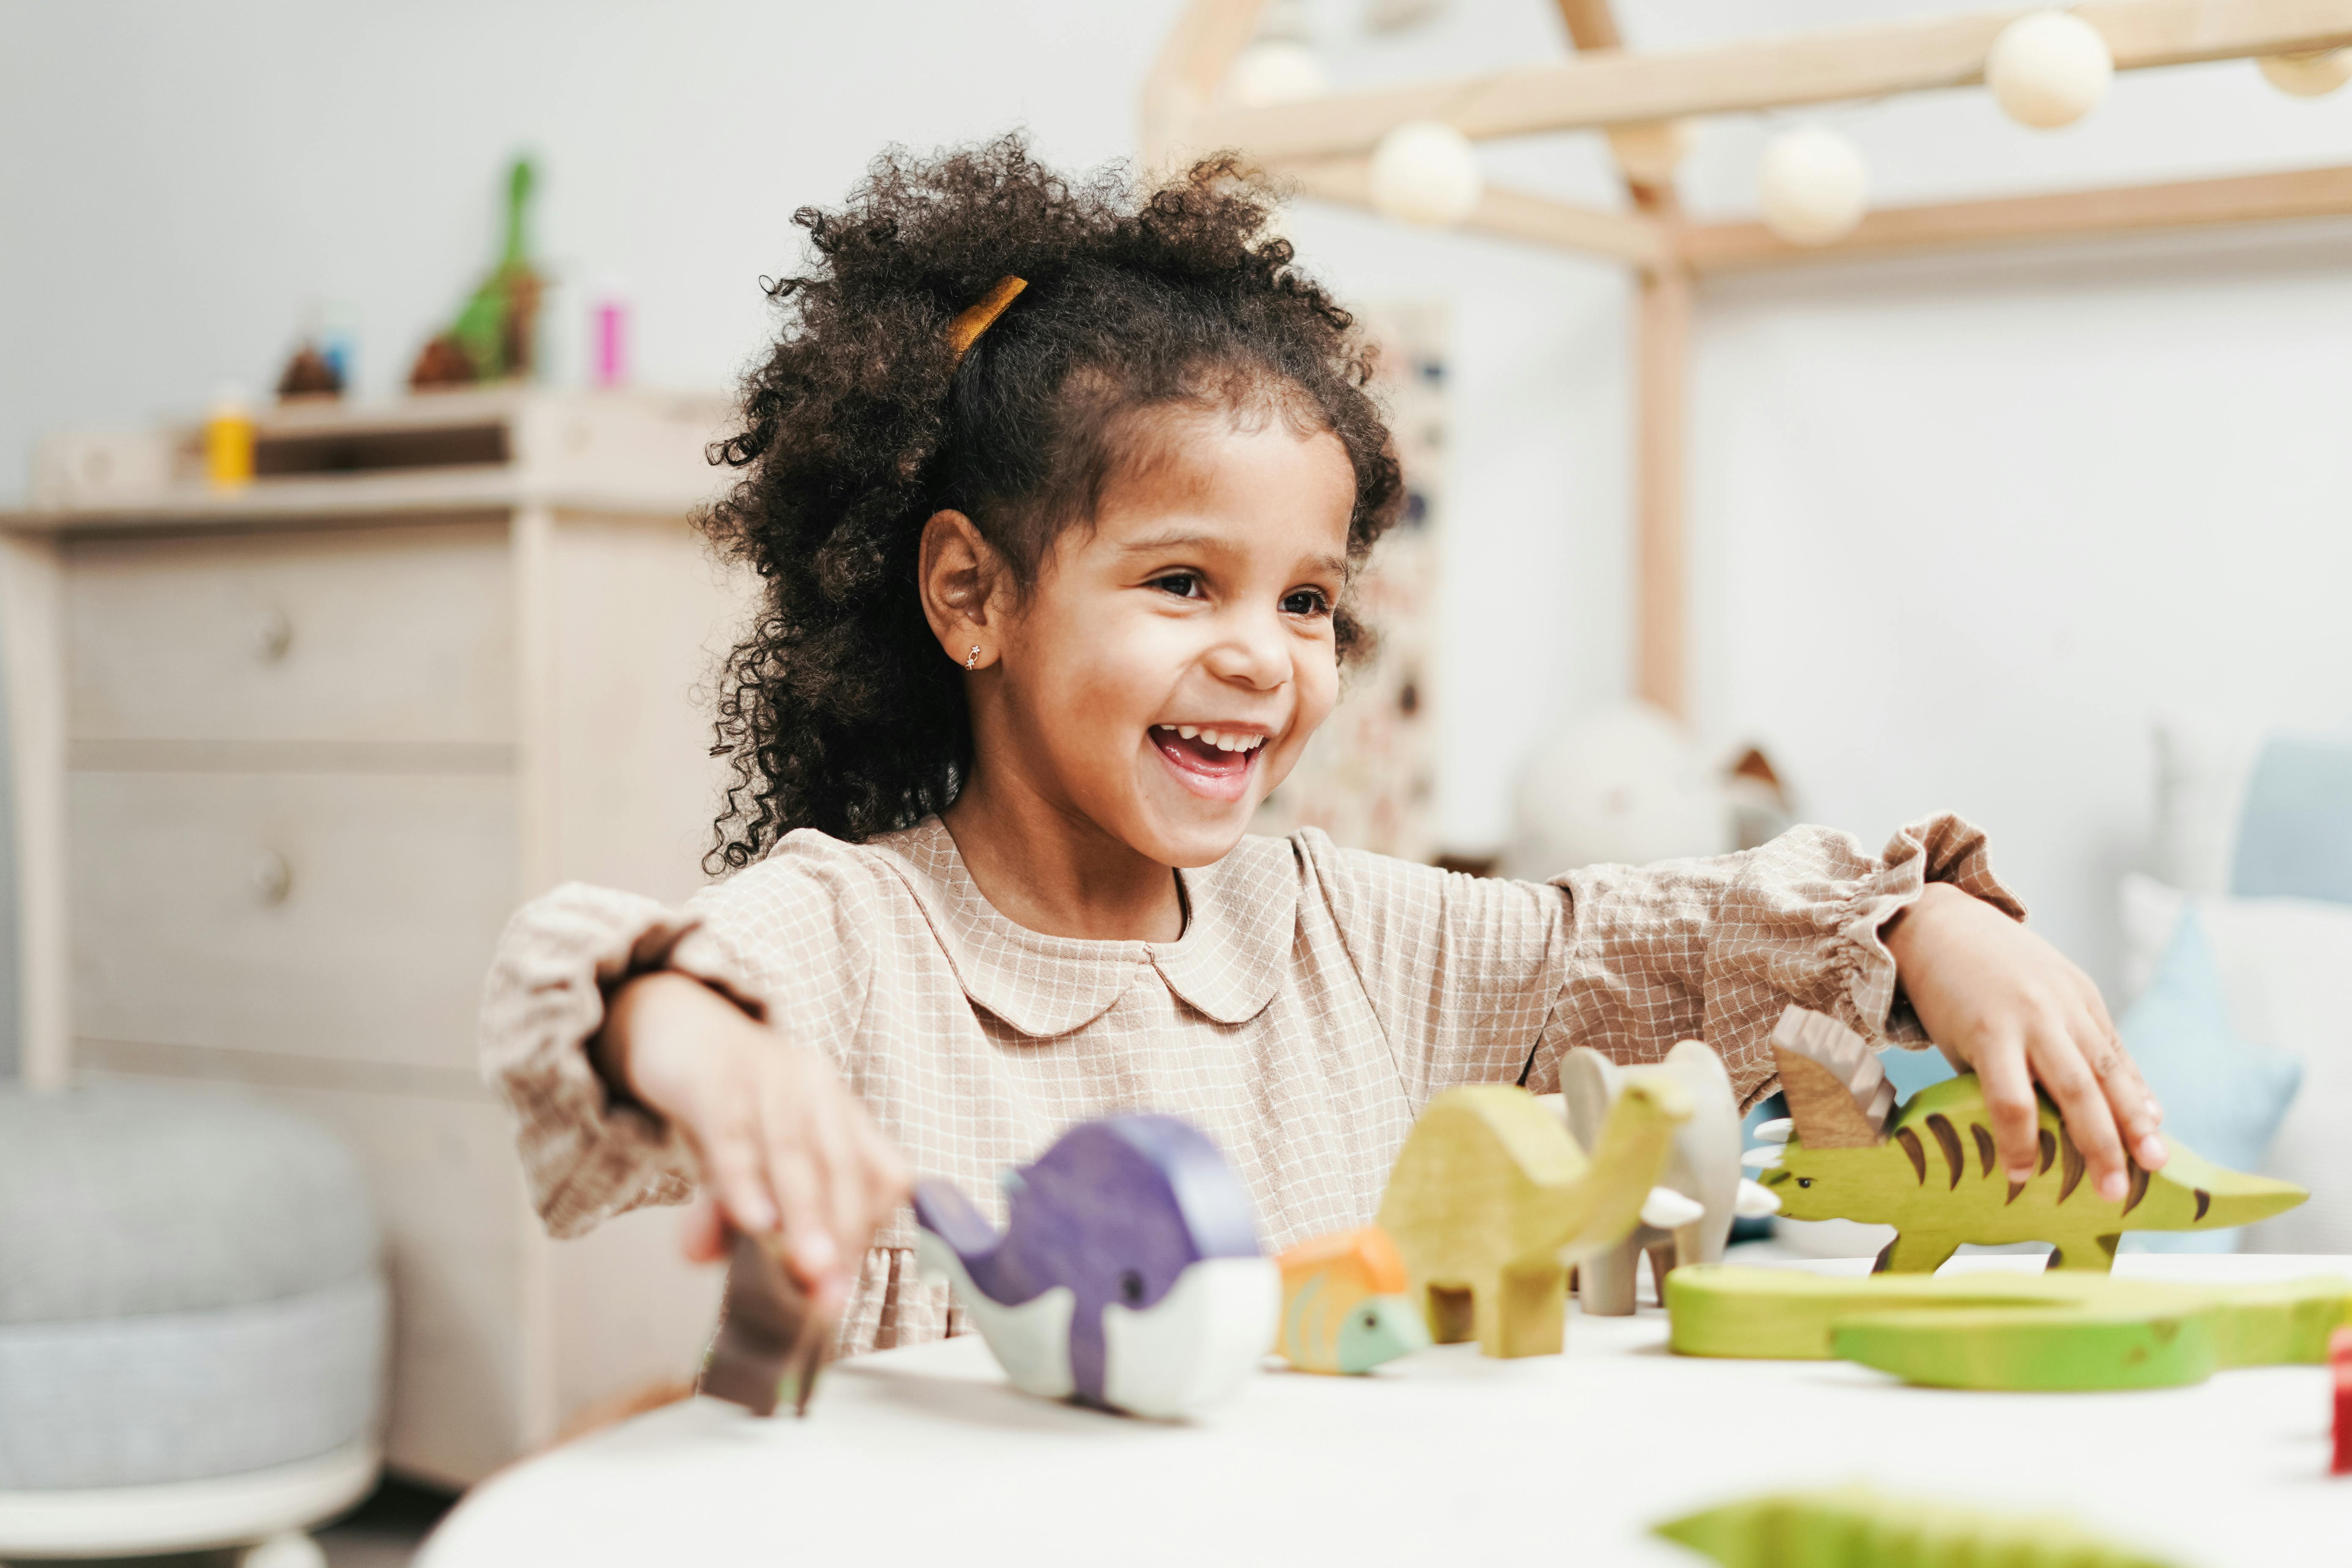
[{"x": 2056, "y": 536}]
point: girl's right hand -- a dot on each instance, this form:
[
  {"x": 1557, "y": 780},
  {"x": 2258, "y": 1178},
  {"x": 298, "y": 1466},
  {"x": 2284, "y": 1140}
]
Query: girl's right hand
[{"x": 785, "y": 1148}]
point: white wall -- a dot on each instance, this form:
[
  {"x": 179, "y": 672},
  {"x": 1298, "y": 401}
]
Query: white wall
[
  {"x": 1960, "y": 526},
  {"x": 1965, "y": 528}
]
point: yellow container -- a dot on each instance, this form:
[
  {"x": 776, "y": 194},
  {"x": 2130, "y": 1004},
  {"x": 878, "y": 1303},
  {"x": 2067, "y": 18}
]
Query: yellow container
[{"x": 228, "y": 444}]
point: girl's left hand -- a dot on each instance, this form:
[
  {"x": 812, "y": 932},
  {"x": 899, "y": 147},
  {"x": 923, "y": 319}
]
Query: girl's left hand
[{"x": 2000, "y": 1000}]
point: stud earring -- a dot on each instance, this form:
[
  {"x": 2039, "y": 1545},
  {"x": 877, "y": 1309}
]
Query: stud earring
[{"x": 972, "y": 659}]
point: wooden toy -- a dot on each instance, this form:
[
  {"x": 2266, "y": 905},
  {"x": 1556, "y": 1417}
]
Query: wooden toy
[
  {"x": 770, "y": 1344},
  {"x": 1927, "y": 1167},
  {"x": 1492, "y": 1200},
  {"x": 1344, "y": 1304},
  {"x": 1128, "y": 1277},
  {"x": 2051, "y": 1332},
  {"x": 1702, "y": 1165},
  {"x": 1857, "y": 1525},
  {"x": 493, "y": 336}
]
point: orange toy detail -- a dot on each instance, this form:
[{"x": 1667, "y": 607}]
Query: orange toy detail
[{"x": 1344, "y": 1306}]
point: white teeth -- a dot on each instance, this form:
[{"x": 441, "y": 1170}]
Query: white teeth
[{"x": 1222, "y": 739}]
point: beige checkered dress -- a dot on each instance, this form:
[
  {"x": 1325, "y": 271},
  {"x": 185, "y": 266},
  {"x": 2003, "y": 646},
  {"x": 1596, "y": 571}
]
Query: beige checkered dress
[{"x": 1317, "y": 1000}]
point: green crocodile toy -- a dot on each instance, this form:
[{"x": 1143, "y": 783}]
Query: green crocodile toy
[
  {"x": 2048, "y": 1333},
  {"x": 1856, "y": 1527},
  {"x": 1928, "y": 1167}
]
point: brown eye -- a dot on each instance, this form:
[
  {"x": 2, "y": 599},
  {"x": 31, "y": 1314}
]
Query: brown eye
[
  {"x": 1183, "y": 584},
  {"x": 1306, "y": 601}
]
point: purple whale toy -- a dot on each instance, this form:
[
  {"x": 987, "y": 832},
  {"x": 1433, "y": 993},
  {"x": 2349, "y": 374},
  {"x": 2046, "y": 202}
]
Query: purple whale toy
[{"x": 1129, "y": 1276}]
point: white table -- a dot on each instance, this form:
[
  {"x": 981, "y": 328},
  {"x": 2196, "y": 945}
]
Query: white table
[{"x": 925, "y": 1455}]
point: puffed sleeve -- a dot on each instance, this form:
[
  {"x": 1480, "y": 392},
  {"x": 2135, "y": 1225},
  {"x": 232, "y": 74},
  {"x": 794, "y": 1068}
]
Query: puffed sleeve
[
  {"x": 789, "y": 940},
  {"x": 1480, "y": 981}
]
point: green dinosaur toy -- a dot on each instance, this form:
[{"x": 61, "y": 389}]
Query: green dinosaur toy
[
  {"x": 1856, "y": 1527},
  {"x": 492, "y": 336},
  {"x": 2067, "y": 1330},
  {"x": 1927, "y": 1167}
]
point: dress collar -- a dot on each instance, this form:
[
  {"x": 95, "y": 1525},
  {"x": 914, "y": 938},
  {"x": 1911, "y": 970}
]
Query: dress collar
[{"x": 1228, "y": 963}]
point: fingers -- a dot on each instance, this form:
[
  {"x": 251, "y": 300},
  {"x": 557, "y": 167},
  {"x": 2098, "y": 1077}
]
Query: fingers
[
  {"x": 2135, "y": 1107},
  {"x": 2010, "y": 1101},
  {"x": 835, "y": 1177},
  {"x": 2058, "y": 1061},
  {"x": 786, "y": 1150},
  {"x": 702, "y": 1234},
  {"x": 734, "y": 1167}
]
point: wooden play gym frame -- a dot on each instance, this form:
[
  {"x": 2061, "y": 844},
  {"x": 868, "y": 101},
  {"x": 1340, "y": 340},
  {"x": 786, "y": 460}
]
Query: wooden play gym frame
[{"x": 1322, "y": 147}]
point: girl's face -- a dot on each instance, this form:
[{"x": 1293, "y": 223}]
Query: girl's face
[{"x": 1171, "y": 661}]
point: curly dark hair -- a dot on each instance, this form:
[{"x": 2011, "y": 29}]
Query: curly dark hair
[{"x": 838, "y": 710}]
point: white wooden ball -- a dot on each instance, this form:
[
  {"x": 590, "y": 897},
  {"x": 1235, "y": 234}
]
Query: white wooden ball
[
  {"x": 1812, "y": 185},
  {"x": 2313, "y": 75},
  {"x": 1275, "y": 70},
  {"x": 291, "y": 1549},
  {"x": 1426, "y": 172},
  {"x": 1650, "y": 151},
  {"x": 2049, "y": 69}
]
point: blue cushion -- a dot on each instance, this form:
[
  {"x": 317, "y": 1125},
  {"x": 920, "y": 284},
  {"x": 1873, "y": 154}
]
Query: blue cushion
[
  {"x": 1912, "y": 1070},
  {"x": 2221, "y": 1096},
  {"x": 2294, "y": 832}
]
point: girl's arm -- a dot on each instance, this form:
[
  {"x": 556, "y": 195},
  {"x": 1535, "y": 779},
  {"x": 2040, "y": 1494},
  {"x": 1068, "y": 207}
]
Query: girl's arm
[
  {"x": 1479, "y": 979},
  {"x": 784, "y": 1147},
  {"x": 647, "y": 1050}
]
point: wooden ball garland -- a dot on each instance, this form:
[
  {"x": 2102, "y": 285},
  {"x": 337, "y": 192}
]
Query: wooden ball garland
[
  {"x": 2049, "y": 69},
  {"x": 1426, "y": 172},
  {"x": 1812, "y": 185},
  {"x": 1650, "y": 151},
  {"x": 2313, "y": 75},
  {"x": 1275, "y": 70}
]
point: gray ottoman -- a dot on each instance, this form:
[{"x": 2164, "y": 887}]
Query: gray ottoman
[{"x": 192, "y": 1322}]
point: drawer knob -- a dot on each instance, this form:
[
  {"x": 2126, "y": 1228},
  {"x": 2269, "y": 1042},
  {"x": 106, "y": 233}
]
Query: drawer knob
[
  {"x": 269, "y": 877},
  {"x": 273, "y": 633}
]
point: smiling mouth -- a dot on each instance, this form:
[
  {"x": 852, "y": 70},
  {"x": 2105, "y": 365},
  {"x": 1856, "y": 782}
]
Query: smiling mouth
[{"x": 1207, "y": 755}]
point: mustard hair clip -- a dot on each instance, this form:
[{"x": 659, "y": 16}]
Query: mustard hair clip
[{"x": 965, "y": 330}]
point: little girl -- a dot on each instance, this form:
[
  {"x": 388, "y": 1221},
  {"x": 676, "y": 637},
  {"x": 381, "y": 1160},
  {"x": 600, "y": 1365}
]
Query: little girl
[{"x": 1056, "y": 490}]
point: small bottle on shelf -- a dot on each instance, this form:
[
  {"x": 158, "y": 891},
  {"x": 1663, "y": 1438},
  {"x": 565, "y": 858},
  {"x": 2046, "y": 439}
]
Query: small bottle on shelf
[{"x": 228, "y": 440}]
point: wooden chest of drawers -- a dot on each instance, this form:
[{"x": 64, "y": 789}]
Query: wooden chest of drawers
[{"x": 285, "y": 759}]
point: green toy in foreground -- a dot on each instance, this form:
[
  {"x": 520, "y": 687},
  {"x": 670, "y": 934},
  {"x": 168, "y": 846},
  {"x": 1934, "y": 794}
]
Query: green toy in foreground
[
  {"x": 1928, "y": 1168},
  {"x": 2064, "y": 1331},
  {"x": 1854, "y": 1527}
]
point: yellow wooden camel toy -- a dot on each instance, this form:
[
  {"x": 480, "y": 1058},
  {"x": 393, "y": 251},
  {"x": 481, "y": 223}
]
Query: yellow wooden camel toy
[{"x": 1492, "y": 1200}]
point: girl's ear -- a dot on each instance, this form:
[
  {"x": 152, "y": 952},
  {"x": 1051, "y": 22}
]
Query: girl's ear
[{"x": 960, "y": 575}]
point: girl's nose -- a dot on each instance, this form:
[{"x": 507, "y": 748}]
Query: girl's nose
[{"x": 1252, "y": 653}]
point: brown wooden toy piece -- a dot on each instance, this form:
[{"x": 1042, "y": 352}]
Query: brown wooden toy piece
[{"x": 771, "y": 1339}]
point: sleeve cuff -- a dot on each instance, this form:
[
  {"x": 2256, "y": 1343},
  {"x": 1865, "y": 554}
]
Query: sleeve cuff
[
  {"x": 586, "y": 1154},
  {"x": 1939, "y": 849}
]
